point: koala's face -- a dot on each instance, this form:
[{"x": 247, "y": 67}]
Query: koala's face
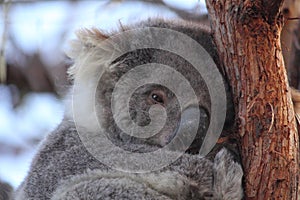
[
  {"x": 151, "y": 94},
  {"x": 94, "y": 55}
]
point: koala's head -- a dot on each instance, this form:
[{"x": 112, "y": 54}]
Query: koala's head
[{"x": 89, "y": 51}]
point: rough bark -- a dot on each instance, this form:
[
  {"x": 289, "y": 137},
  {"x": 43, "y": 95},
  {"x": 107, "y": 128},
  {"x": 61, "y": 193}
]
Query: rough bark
[{"x": 247, "y": 34}]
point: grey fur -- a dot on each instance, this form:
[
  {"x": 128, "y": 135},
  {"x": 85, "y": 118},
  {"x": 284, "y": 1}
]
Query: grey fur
[
  {"x": 5, "y": 191},
  {"x": 64, "y": 169}
]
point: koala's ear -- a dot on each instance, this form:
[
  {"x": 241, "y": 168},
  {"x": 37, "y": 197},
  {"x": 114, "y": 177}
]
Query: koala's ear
[{"x": 87, "y": 40}]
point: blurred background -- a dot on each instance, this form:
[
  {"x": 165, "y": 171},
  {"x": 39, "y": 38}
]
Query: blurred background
[{"x": 33, "y": 79}]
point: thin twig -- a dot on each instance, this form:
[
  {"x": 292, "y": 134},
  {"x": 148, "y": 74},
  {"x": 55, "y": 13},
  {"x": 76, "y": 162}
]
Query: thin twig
[{"x": 3, "y": 67}]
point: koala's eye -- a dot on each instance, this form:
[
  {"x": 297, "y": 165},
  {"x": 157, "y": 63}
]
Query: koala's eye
[
  {"x": 286, "y": 11},
  {"x": 157, "y": 98}
]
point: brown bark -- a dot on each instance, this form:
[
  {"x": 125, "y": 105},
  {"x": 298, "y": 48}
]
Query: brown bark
[{"x": 247, "y": 36}]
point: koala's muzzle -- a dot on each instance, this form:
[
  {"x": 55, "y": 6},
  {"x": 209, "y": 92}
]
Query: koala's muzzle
[{"x": 192, "y": 126}]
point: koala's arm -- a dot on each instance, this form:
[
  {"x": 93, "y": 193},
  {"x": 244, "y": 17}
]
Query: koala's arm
[
  {"x": 191, "y": 177},
  {"x": 97, "y": 184},
  {"x": 63, "y": 169},
  {"x": 60, "y": 156}
]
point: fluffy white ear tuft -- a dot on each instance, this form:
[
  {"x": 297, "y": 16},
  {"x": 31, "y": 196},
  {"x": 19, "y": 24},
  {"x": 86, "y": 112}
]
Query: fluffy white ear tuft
[
  {"x": 87, "y": 40},
  {"x": 91, "y": 57}
]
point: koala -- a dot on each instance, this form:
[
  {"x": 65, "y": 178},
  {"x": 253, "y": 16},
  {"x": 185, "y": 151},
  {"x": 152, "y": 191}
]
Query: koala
[{"x": 64, "y": 168}]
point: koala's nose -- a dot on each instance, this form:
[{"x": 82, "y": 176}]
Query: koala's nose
[
  {"x": 186, "y": 130},
  {"x": 189, "y": 120}
]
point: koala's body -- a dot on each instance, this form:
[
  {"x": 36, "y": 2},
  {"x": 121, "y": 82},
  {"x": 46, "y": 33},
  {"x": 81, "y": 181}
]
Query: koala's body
[{"x": 63, "y": 167}]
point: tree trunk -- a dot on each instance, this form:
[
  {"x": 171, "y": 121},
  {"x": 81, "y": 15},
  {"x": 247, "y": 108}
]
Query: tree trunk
[{"x": 247, "y": 35}]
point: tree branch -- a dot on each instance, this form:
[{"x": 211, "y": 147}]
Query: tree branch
[{"x": 247, "y": 36}]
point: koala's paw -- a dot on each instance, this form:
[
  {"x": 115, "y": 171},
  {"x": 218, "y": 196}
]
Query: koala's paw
[{"x": 227, "y": 176}]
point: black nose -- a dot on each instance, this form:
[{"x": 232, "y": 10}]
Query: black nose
[{"x": 187, "y": 129}]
